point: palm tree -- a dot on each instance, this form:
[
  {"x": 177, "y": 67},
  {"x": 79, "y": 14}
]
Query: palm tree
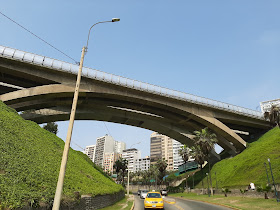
[
  {"x": 161, "y": 166},
  {"x": 199, "y": 157},
  {"x": 145, "y": 176},
  {"x": 120, "y": 167},
  {"x": 184, "y": 152},
  {"x": 273, "y": 115},
  {"x": 206, "y": 140},
  {"x": 153, "y": 173}
]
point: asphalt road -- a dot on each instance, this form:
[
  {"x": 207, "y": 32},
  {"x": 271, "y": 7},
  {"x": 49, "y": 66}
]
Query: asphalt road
[{"x": 179, "y": 204}]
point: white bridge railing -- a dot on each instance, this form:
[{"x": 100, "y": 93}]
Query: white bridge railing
[{"x": 110, "y": 78}]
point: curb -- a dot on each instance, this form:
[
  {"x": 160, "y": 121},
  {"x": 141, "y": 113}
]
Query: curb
[
  {"x": 132, "y": 207},
  {"x": 169, "y": 202},
  {"x": 218, "y": 204}
]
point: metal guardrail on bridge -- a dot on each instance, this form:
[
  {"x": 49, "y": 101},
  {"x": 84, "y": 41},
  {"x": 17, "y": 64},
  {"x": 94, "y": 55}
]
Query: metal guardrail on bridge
[{"x": 111, "y": 78}]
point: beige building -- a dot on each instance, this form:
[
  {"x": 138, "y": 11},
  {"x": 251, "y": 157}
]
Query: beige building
[
  {"x": 163, "y": 147},
  {"x": 109, "y": 161}
]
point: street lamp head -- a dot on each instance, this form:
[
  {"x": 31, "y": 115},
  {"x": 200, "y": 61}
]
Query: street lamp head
[
  {"x": 115, "y": 19},
  {"x": 268, "y": 160}
]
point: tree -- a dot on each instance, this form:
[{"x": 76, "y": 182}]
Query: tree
[
  {"x": 51, "y": 127},
  {"x": 120, "y": 167},
  {"x": 161, "y": 166},
  {"x": 145, "y": 176},
  {"x": 206, "y": 140},
  {"x": 273, "y": 115},
  {"x": 184, "y": 152},
  {"x": 199, "y": 157}
]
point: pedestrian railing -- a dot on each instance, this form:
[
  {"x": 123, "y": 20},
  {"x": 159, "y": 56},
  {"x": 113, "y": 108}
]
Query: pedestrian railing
[{"x": 122, "y": 81}]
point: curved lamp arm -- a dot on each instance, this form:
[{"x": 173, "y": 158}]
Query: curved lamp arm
[{"x": 113, "y": 20}]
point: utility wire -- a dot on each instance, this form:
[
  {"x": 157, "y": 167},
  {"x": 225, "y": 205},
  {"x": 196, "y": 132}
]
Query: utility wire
[
  {"x": 38, "y": 37},
  {"x": 107, "y": 128}
]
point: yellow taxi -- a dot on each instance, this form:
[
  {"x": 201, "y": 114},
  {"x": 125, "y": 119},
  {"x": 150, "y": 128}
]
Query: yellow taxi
[{"x": 153, "y": 200}]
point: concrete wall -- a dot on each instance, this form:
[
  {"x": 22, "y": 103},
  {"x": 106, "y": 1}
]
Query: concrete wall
[
  {"x": 100, "y": 201},
  {"x": 85, "y": 203}
]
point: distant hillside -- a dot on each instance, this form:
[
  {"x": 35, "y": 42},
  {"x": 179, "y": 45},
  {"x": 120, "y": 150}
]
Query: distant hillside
[
  {"x": 30, "y": 159},
  {"x": 248, "y": 166}
]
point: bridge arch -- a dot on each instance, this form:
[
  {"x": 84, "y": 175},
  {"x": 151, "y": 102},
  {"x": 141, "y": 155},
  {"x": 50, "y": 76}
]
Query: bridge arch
[{"x": 175, "y": 119}]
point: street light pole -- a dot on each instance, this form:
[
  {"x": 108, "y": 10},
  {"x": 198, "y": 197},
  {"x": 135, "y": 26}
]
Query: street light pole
[
  {"x": 277, "y": 199},
  {"x": 127, "y": 182},
  {"x": 60, "y": 181},
  {"x": 208, "y": 185},
  {"x": 266, "y": 173},
  {"x": 216, "y": 181}
]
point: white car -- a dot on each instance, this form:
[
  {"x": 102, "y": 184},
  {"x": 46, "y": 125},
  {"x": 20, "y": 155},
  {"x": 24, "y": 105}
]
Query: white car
[
  {"x": 143, "y": 193},
  {"x": 164, "y": 192}
]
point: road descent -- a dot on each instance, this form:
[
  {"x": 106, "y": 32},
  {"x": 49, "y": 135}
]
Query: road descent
[{"x": 179, "y": 204}]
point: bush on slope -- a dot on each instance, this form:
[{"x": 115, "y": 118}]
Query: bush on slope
[
  {"x": 248, "y": 166},
  {"x": 30, "y": 159}
]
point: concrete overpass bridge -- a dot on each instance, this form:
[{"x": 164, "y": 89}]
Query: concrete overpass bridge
[{"x": 45, "y": 86}]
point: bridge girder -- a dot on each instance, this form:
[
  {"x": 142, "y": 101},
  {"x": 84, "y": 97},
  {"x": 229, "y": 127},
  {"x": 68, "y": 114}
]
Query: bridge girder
[{"x": 170, "y": 118}]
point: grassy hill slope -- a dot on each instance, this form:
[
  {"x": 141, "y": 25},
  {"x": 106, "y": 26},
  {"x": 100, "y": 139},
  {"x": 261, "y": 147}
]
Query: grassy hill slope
[
  {"x": 30, "y": 159},
  {"x": 248, "y": 166}
]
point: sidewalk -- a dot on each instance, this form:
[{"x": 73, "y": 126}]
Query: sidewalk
[{"x": 234, "y": 202}]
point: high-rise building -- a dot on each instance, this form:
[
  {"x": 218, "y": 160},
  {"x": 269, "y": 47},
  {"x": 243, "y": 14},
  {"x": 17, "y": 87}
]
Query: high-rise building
[
  {"x": 90, "y": 152},
  {"x": 177, "y": 159},
  {"x": 155, "y": 148},
  {"x": 131, "y": 155},
  {"x": 119, "y": 146},
  {"x": 104, "y": 144},
  {"x": 109, "y": 160},
  {"x": 163, "y": 147},
  {"x": 105, "y": 152},
  {"x": 142, "y": 164}
]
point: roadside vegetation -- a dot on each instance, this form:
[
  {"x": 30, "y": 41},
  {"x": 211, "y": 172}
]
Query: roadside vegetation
[
  {"x": 248, "y": 166},
  {"x": 233, "y": 202},
  {"x": 239, "y": 171},
  {"x": 30, "y": 161}
]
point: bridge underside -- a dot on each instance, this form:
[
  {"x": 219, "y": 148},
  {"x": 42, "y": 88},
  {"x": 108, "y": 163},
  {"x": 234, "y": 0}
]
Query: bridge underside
[
  {"x": 48, "y": 93},
  {"x": 53, "y": 103}
]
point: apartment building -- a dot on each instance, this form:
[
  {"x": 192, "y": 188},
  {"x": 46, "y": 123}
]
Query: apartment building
[
  {"x": 109, "y": 161},
  {"x": 90, "y": 152},
  {"x": 131, "y": 155},
  {"x": 142, "y": 164},
  {"x": 155, "y": 148},
  {"x": 177, "y": 159},
  {"x": 119, "y": 146},
  {"x": 163, "y": 147},
  {"x": 104, "y": 144}
]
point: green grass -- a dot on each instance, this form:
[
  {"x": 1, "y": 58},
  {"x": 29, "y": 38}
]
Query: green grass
[
  {"x": 233, "y": 202},
  {"x": 248, "y": 166},
  {"x": 30, "y": 159}
]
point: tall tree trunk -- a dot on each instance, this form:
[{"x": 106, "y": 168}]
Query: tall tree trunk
[
  {"x": 210, "y": 177},
  {"x": 202, "y": 179}
]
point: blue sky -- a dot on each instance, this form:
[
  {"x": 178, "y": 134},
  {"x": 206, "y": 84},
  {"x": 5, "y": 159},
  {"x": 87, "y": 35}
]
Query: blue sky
[{"x": 223, "y": 50}]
